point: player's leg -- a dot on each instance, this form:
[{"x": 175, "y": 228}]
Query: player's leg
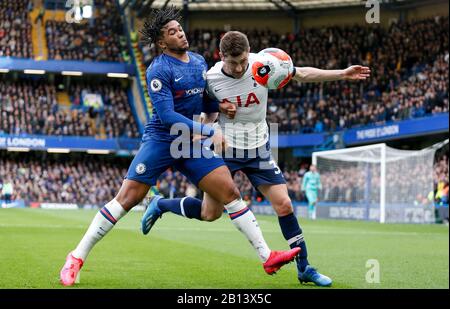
[
  {"x": 315, "y": 205},
  {"x": 213, "y": 177},
  {"x": 265, "y": 175},
  {"x": 141, "y": 175},
  {"x": 312, "y": 198},
  {"x": 130, "y": 194},
  {"x": 219, "y": 185},
  {"x": 278, "y": 196},
  {"x": 211, "y": 208},
  {"x": 207, "y": 209},
  {"x": 189, "y": 207}
]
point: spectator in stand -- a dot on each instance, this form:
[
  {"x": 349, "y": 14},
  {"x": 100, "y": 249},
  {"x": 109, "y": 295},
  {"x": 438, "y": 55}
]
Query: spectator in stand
[
  {"x": 15, "y": 29},
  {"x": 31, "y": 107},
  {"x": 44, "y": 178},
  {"x": 101, "y": 39},
  {"x": 406, "y": 82}
]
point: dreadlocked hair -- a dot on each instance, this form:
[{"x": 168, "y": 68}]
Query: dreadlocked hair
[{"x": 151, "y": 30}]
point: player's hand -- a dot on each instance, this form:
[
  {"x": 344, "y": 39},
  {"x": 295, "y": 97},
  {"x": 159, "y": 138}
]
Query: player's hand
[
  {"x": 219, "y": 142},
  {"x": 356, "y": 72},
  {"x": 229, "y": 109},
  {"x": 197, "y": 137}
]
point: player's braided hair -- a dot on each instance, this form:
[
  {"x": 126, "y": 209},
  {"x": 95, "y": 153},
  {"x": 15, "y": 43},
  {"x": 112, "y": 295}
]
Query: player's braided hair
[{"x": 151, "y": 31}]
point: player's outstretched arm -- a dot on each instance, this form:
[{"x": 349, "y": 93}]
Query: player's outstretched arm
[{"x": 312, "y": 75}]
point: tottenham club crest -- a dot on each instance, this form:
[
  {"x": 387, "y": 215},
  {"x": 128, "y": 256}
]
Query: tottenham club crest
[
  {"x": 155, "y": 85},
  {"x": 140, "y": 168}
]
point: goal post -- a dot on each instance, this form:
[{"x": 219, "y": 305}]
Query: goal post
[{"x": 376, "y": 182}]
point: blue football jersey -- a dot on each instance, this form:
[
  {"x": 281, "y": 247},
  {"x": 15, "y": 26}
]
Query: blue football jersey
[{"x": 176, "y": 90}]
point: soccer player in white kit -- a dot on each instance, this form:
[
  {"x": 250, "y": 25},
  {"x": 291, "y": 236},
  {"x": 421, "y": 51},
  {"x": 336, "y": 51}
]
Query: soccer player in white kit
[{"x": 243, "y": 105}]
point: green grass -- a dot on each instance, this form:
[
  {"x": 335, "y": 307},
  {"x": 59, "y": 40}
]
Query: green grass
[{"x": 181, "y": 253}]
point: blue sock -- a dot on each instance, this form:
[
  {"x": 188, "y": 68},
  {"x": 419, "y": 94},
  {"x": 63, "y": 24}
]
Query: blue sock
[
  {"x": 293, "y": 234},
  {"x": 188, "y": 207}
]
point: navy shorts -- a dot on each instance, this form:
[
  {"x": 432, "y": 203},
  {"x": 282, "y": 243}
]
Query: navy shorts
[
  {"x": 154, "y": 157},
  {"x": 258, "y": 165}
]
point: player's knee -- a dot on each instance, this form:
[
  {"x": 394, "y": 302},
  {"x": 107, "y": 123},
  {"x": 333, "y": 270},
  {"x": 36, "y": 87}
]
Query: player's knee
[
  {"x": 211, "y": 213},
  {"x": 283, "y": 207},
  {"x": 211, "y": 216},
  {"x": 128, "y": 199},
  {"x": 126, "y": 202},
  {"x": 230, "y": 193}
]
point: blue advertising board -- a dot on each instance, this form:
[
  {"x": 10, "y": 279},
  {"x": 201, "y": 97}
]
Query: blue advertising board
[
  {"x": 57, "y": 66},
  {"x": 75, "y": 143}
]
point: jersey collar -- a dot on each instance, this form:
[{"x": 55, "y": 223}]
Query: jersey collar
[{"x": 231, "y": 76}]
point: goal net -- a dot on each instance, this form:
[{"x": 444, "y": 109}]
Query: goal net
[{"x": 378, "y": 183}]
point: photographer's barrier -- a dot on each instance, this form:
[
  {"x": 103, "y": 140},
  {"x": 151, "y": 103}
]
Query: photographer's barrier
[
  {"x": 400, "y": 213},
  {"x": 400, "y": 129}
]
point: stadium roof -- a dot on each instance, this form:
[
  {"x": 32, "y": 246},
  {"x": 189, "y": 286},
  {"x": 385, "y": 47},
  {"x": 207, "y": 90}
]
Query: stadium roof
[
  {"x": 144, "y": 7},
  {"x": 199, "y": 5}
]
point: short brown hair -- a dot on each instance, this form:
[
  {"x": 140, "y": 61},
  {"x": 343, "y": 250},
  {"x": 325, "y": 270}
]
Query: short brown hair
[{"x": 234, "y": 43}]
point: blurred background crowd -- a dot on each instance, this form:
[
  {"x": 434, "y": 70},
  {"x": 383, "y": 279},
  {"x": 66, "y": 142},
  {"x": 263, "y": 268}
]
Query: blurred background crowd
[
  {"x": 409, "y": 63},
  {"x": 88, "y": 179}
]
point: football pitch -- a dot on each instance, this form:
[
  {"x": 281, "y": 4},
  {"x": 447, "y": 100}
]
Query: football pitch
[{"x": 180, "y": 253}]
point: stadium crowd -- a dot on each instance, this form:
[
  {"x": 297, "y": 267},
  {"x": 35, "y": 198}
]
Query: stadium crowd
[
  {"x": 15, "y": 29},
  {"x": 95, "y": 180},
  {"x": 409, "y": 63},
  {"x": 99, "y": 39},
  {"x": 61, "y": 179},
  {"x": 31, "y": 107},
  {"x": 406, "y": 181},
  {"x": 405, "y": 83}
]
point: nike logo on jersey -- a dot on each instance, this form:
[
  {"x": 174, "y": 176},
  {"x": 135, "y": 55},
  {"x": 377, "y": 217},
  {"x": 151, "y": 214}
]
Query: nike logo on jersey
[
  {"x": 178, "y": 79},
  {"x": 217, "y": 89}
]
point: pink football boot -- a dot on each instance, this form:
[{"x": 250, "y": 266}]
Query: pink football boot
[{"x": 70, "y": 273}]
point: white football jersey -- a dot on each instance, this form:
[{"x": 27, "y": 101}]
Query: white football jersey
[{"x": 248, "y": 130}]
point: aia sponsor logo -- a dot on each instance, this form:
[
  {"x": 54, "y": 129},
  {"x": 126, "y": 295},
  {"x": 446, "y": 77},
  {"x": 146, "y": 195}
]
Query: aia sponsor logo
[{"x": 244, "y": 101}]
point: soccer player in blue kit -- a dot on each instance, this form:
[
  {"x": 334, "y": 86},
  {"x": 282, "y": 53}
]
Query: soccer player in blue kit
[{"x": 176, "y": 81}]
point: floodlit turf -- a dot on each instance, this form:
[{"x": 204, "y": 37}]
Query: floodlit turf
[{"x": 181, "y": 253}]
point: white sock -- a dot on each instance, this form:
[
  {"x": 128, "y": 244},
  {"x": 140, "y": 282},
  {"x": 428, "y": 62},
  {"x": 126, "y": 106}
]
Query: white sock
[
  {"x": 244, "y": 220},
  {"x": 102, "y": 223}
]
